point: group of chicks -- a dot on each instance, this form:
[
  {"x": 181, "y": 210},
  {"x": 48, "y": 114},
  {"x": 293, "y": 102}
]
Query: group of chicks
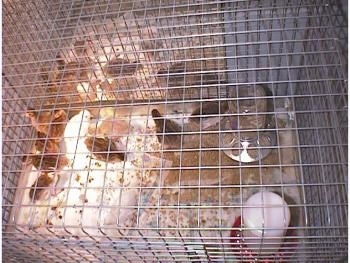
[
  {"x": 57, "y": 146},
  {"x": 47, "y": 156},
  {"x": 82, "y": 78},
  {"x": 62, "y": 141},
  {"x": 54, "y": 147}
]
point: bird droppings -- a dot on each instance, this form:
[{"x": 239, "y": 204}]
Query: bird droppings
[
  {"x": 108, "y": 188},
  {"x": 77, "y": 177}
]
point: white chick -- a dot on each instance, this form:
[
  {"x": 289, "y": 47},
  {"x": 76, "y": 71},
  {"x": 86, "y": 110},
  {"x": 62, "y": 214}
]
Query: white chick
[{"x": 74, "y": 137}]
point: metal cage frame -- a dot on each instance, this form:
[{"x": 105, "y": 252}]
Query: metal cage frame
[{"x": 175, "y": 56}]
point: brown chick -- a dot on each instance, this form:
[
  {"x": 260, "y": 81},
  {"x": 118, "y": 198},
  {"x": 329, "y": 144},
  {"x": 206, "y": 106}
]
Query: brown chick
[
  {"x": 39, "y": 188},
  {"x": 51, "y": 123},
  {"x": 168, "y": 131},
  {"x": 209, "y": 109},
  {"x": 80, "y": 48},
  {"x": 68, "y": 77},
  {"x": 84, "y": 49},
  {"x": 78, "y": 69},
  {"x": 47, "y": 162},
  {"x": 173, "y": 136},
  {"x": 104, "y": 149},
  {"x": 44, "y": 144},
  {"x": 121, "y": 67}
]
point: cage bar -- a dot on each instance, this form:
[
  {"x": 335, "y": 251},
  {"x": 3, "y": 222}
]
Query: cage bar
[{"x": 154, "y": 99}]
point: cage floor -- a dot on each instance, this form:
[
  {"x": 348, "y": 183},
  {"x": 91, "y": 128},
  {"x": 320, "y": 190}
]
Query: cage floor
[{"x": 158, "y": 192}]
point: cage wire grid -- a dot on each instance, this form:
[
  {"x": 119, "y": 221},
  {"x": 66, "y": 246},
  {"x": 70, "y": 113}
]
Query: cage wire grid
[{"x": 119, "y": 60}]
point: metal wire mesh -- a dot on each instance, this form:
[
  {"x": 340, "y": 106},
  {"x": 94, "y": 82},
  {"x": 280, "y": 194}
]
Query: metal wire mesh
[{"x": 191, "y": 61}]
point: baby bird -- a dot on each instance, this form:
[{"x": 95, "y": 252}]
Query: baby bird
[
  {"x": 74, "y": 135},
  {"x": 39, "y": 189},
  {"x": 50, "y": 123},
  {"x": 46, "y": 162},
  {"x": 121, "y": 67},
  {"x": 209, "y": 114},
  {"x": 104, "y": 149},
  {"x": 189, "y": 136},
  {"x": 168, "y": 131},
  {"x": 68, "y": 76},
  {"x": 74, "y": 70},
  {"x": 46, "y": 156},
  {"x": 209, "y": 108},
  {"x": 44, "y": 144}
]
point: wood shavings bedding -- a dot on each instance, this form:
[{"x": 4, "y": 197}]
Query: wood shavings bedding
[
  {"x": 98, "y": 198},
  {"x": 187, "y": 205}
]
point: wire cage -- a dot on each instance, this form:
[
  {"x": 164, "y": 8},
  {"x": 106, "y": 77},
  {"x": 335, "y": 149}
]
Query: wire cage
[{"x": 174, "y": 131}]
